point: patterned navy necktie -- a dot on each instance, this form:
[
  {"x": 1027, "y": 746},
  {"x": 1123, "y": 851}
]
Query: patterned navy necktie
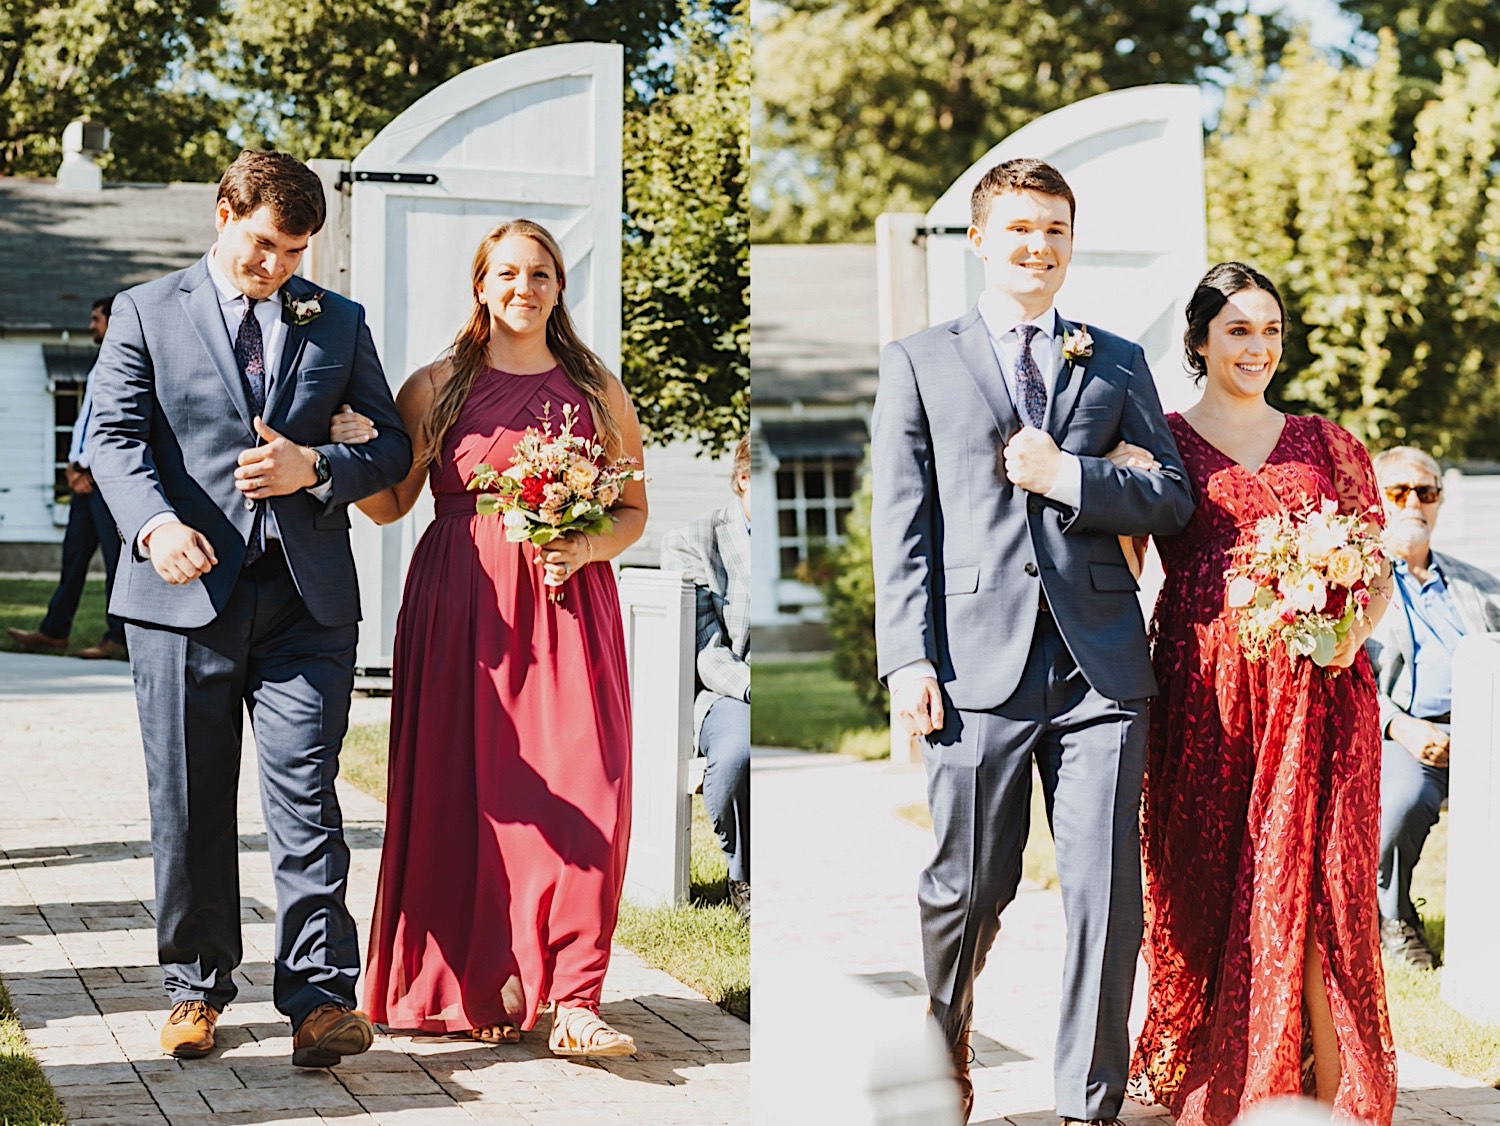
[
  {"x": 1033, "y": 392},
  {"x": 250, "y": 354}
]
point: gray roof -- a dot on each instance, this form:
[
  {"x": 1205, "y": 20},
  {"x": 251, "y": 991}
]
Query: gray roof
[
  {"x": 814, "y": 326},
  {"x": 61, "y": 250}
]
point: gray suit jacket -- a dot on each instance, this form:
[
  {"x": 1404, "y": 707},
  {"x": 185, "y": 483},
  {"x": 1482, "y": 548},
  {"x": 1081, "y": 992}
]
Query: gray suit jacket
[
  {"x": 962, "y": 555},
  {"x": 1476, "y": 597},
  {"x": 714, "y": 551},
  {"x": 171, "y": 417}
]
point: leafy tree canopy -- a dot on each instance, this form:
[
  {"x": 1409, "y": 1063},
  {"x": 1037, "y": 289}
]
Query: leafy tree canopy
[
  {"x": 1385, "y": 251},
  {"x": 871, "y": 107}
]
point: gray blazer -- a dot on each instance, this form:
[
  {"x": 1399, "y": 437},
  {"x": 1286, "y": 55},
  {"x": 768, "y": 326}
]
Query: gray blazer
[
  {"x": 171, "y": 416},
  {"x": 962, "y": 555},
  {"x": 1476, "y": 597},
  {"x": 714, "y": 551}
]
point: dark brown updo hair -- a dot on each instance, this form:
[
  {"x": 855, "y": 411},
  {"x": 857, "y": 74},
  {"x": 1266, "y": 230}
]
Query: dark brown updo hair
[{"x": 1214, "y": 291}]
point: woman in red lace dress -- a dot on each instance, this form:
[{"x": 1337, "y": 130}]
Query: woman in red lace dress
[
  {"x": 1262, "y": 810},
  {"x": 508, "y": 809}
]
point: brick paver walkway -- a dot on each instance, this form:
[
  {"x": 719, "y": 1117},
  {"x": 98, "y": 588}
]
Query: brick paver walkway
[
  {"x": 836, "y": 877},
  {"x": 77, "y": 952}
]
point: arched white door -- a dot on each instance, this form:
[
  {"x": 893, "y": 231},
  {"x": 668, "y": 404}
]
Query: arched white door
[
  {"x": 533, "y": 135},
  {"x": 1134, "y": 159}
]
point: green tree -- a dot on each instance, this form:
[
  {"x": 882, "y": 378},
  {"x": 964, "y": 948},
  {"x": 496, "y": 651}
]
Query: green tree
[
  {"x": 687, "y": 253},
  {"x": 846, "y": 577},
  {"x": 1385, "y": 254},
  {"x": 871, "y": 107},
  {"x": 320, "y": 79},
  {"x": 1423, "y": 29},
  {"x": 132, "y": 64}
]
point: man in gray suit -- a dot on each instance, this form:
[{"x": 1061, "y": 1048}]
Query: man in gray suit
[
  {"x": 212, "y": 400},
  {"x": 714, "y": 551},
  {"x": 1007, "y": 622},
  {"x": 1438, "y": 599}
]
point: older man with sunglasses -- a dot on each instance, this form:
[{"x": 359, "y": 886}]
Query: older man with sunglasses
[{"x": 1437, "y": 600}]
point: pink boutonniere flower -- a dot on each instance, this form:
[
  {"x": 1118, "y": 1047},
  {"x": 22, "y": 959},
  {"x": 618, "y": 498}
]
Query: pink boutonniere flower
[
  {"x": 1078, "y": 344},
  {"x": 304, "y": 310}
]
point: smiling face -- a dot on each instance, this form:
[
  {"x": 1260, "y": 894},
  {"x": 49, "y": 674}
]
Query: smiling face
[
  {"x": 255, "y": 255},
  {"x": 520, "y": 285},
  {"x": 1244, "y": 344},
  {"x": 1025, "y": 244}
]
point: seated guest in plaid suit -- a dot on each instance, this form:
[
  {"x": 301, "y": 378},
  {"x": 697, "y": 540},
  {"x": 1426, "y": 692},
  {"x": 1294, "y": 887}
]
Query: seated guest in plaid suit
[{"x": 714, "y": 550}]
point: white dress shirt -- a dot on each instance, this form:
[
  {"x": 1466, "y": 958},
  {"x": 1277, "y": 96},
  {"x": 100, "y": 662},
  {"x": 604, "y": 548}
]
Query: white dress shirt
[
  {"x": 78, "y": 448},
  {"x": 273, "y": 333},
  {"x": 1046, "y": 350}
]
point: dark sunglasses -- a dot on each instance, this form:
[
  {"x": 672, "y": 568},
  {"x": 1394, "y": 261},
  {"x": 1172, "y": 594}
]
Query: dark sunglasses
[{"x": 1425, "y": 493}]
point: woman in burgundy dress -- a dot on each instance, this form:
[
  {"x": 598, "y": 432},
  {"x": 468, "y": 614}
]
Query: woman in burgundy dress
[
  {"x": 508, "y": 810},
  {"x": 1262, "y": 809}
]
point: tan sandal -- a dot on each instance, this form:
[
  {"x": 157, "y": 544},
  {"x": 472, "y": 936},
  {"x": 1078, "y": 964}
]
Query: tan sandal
[
  {"x": 502, "y": 1033},
  {"x": 581, "y": 1032}
]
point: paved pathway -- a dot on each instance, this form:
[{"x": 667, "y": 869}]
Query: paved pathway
[
  {"x": 836, "y": 874},
  {"x": 77, "y": 952}
]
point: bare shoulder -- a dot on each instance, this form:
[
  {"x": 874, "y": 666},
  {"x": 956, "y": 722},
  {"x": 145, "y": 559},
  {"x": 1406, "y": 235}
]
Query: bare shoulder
[{"x": 423, "y": 385}]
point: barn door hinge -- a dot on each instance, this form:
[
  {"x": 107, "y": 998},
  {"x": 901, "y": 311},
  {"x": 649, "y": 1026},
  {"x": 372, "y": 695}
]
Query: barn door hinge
[{"x": 348, "y": 177}]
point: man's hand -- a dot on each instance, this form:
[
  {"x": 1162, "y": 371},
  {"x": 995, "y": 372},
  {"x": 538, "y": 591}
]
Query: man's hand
[
  {"x": 179, "y": 553},
  {"x": 1426, "y": 741},
  {"x": 1032, "y": 460},
  {"x": 1126, "y": 456},
  {"x": 919, "y": 706},
  {"x": 80, "y": 480},
  {"x": 277, "y": 468}
]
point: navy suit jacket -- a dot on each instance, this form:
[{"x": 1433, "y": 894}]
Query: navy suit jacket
[
  {"x": 172, "y": 415},
  {"x": 962, "y": 555}
]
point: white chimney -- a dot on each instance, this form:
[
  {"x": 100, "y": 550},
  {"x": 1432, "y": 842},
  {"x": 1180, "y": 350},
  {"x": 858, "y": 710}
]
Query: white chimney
[{"x": 82, "y": 140}]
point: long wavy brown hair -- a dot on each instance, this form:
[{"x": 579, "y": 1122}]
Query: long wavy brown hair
[{"x": 471, "y": 346}]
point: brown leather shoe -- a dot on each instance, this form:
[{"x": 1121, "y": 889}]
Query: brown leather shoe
[
  {"x": 963, "y": 1056},
  {"x": 330, "y": 1033},
  {"x": 189, "y": 1031},
  {"x": 37, "y": 641},
  {"x": 106, "y": 650}
]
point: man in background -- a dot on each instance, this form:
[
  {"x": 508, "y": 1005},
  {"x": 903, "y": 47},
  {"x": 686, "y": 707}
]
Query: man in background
[
  {"x": 714, "y": 551},
  {"x": 90, "y": 526},
  {"x": 1437, "y": 600}
]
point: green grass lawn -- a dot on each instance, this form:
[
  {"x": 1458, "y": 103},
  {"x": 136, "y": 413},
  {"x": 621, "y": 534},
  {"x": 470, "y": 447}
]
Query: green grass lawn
[
  {"x": 26, "y": 1098},
  {"x": 701, "y": 943},
  {"x": 23, "y": 604},
  {"x": 802, "y": 704}
]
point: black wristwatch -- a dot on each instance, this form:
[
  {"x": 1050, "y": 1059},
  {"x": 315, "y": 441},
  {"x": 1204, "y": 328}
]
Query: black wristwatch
[{"x": 322, "y": 469}]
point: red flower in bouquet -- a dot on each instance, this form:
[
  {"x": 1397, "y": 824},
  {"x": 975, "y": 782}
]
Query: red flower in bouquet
[{"x": 556, "y": 484}]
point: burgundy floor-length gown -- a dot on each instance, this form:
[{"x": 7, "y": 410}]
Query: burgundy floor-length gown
[
  {"x": 508, "y": 811},
  {"x": 1261, "y": 815}
]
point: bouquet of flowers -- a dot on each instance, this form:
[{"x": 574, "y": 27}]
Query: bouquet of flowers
[
  {"x": 1304, "y": 582},
  {"x": 556, "y": 484}
]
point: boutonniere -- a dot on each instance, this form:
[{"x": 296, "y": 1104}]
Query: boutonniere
[
  {"x": 303, "y": 310},
  {"x": 1078, "y": 344}
]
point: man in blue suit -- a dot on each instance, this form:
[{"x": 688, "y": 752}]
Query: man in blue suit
[
  {"x": 1007, "y": 621},
  {"x": 212, "y": 400}
]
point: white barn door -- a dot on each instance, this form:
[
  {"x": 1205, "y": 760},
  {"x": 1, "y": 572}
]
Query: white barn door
[
  {"x": 534, "y": 135},
  {"x": 1134, "y": 159}
]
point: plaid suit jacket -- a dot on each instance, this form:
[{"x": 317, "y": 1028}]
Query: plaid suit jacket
[{"x": 714, "y": 551}]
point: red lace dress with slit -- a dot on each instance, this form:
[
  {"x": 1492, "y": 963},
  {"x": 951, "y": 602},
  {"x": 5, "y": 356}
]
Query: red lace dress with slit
[
  {"x": 508, "y": 811},
  {"x": 1261, "y": 815}
]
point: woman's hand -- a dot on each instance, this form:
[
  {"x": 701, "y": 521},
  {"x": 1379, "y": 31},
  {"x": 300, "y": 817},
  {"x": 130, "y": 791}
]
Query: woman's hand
[
  {"x": 350, "y": 428},
  {"x": 1348, "y": 649},
  {"x": 564, "y": 556},
  {"x": 1126, "y": 456}
]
